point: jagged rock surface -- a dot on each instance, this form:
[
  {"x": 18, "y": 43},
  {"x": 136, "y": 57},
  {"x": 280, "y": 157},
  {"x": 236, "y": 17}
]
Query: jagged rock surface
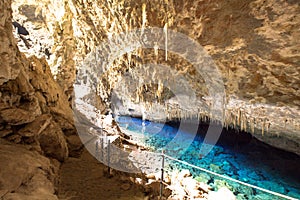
[
  {"x": 25, "y": 174},
  {"x": 254, "y": 43},
  {"x": 34, "y": 115}
]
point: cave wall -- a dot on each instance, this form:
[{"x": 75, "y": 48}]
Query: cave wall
[
  {"x": 31, "y": 100},
  {"x": 36, "y": 121},
  {"x": 254, "y": 43}
]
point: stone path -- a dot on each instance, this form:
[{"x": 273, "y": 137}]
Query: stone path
[{"x": 84, "y": 178}]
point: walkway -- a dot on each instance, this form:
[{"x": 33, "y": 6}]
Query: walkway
[{"x": 83, "y": 178}]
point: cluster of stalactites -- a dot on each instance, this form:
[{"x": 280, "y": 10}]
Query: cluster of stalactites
[
  {"x": 239, "y": 119},
  {"x": 234, "y": 118}
]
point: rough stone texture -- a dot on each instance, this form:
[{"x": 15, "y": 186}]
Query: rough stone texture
[
  {"x": 254, "y": 43},
  {"x": 36, "y": 127},
  {"x": 87, "y": 178},
  {"x": 34, "y": 114},
  {"x": 30, "y": 96},
  {"x": 9, "y": 69},
  {"x": 53, "y": 142},
  {"x": 25, "y": 174},
  {"x": 74, "y": 145},
  {"x": 17, "y": 116}
]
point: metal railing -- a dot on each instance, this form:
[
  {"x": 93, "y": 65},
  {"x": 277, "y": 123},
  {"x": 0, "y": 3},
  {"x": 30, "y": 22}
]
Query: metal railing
[
  {"x": 163, "y": 170},
  {"x": 221, "y": 176}
]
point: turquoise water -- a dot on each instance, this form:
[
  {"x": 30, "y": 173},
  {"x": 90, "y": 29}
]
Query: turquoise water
[{"x": 236, "y": 155}]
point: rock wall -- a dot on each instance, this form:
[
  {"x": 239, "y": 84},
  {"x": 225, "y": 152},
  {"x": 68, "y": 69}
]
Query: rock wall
[
  {"x": 35, "y": 120},
  {"x": 254, "y": 43}
]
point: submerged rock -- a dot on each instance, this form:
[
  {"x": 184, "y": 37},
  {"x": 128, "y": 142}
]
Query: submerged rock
[{"x": 203, "y": 177}]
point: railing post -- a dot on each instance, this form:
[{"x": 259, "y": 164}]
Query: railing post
[
  {"x": 162, "y": 175},
  {"x": 108, "y": 156},
  {"x": 97, "y": 149},
  {"x": 102, "y": 156}
]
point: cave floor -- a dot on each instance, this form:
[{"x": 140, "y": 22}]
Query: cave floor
[{"x": 85, "y": 178}]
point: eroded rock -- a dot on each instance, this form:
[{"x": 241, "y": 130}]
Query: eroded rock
[
  {"x": 24, "y": 174},
  {"x": 17, "y": 116},
  {"x": 53, "y": 142},
  {"x": 75, "y": 145},
  {"x": 36, "y": 127}
]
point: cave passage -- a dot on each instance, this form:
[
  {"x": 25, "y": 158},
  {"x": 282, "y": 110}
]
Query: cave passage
[{"x": 236, "y": 154}]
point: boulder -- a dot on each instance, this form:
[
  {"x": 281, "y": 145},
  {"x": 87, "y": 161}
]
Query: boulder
[
  {"x": 53, "y": 142},
  {"x": 36, "y": 127},
  {"x": 75, "y": 145},
  {"x": 25, "y": 174},
  {"x": 191, "y": 187}
]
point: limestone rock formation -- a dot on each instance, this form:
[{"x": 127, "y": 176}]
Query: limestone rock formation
[
  {"x": 35, "y": 115},
  {"x": 253, "y": 43},
  {"x": 53, "y": 143},
  {"x": 256, "y": 54},
  {"x": 32, "y": 102},
  {"x": 25, "y": 174}
]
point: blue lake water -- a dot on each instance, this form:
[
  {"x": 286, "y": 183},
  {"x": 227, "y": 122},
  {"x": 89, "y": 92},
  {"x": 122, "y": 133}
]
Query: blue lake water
[{"x": 236, "y": 155}]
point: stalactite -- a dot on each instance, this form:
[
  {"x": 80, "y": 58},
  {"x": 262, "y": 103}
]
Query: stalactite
[
  {"x": 235, "y": 121},
  {"x": 263, "y": 127},
  {"x": 267, "y": 127},
  {"x": 137, "y": 98},
  {"x": 233, "y": 118},
  {"x": 144, "y": 17},
  {"x": 166, "y": 41},
  {"x": 252, "y": 125},
  {"x": 243, "y": 116},
  {"x": 239, "y": 117},
  {"x": 247, "y": 123},
  {"x": 129, "y": 58},
  {"x": 156, "y": 51},
  {"x": 225, "y": 119},
  {"x": 240, "y": 124}
]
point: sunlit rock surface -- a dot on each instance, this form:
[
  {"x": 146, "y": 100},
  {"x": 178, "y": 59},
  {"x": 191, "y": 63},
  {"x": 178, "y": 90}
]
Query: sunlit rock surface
[
  {"x": 35, "y": 119},
  {"x": 254, "y": 44}
]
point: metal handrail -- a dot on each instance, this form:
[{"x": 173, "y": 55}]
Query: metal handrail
[{"x": 229, "y": 178}]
